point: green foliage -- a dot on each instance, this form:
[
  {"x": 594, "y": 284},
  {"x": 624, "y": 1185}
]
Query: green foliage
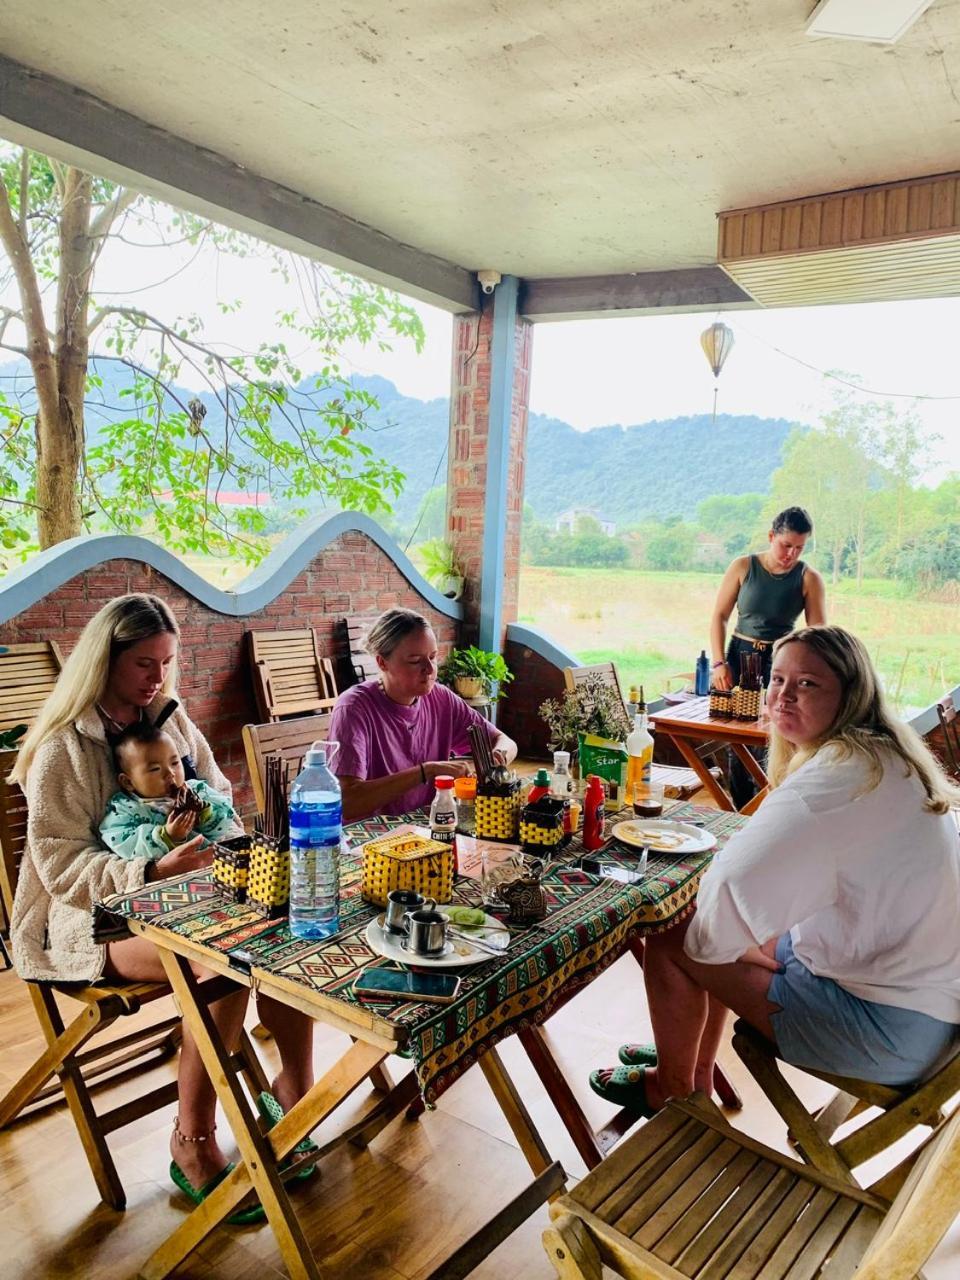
[
  {"x": 732, "y": 517},
  {"x": 440, "y": 566},
  {"x": 258, "y": 427},
  {"x": 593, "y": 707},
  {"x": 17, "y": 523},
  {"x": 480, "y": 664},
  {"x": 672, "y": 547},
  {"x": 587, "y": 546}
]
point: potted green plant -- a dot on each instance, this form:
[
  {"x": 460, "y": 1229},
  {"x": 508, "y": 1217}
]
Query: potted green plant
[
  {"x": 475, "y": 673},
  {"x": 440, "y": 567},
  {"x": 593, "y": 707}
]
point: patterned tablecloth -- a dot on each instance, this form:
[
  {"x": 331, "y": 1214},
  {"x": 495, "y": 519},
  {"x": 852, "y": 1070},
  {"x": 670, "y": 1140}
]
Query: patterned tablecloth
[{"x": 588, "y": 926}]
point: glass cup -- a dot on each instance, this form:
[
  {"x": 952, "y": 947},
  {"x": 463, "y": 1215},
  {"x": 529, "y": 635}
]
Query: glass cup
[
  {"x": 497, "y": 867},
  {"x": 648, "y": 799}
]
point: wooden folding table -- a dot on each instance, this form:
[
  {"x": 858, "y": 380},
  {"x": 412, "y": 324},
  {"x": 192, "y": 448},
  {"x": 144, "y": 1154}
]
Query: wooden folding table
[{"x": 690, "y": 723}]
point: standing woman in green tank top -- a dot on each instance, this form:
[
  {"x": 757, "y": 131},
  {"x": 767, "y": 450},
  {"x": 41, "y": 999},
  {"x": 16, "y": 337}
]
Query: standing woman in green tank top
[{"x": 770, "y": 592}]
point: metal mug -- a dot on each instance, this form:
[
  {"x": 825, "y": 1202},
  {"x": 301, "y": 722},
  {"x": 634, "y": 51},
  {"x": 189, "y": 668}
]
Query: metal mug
[
  {"x": 426, "y": 932},
  {"x": 399, "y": 903}
]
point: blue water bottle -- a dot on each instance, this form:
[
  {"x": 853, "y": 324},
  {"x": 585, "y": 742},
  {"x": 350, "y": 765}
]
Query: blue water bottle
[
  {"x": 702, "y": 683},
  {"x": 316, "y": 825}
]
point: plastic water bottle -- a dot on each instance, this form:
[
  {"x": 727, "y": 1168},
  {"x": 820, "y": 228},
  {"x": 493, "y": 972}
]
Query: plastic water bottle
[
  {"x": 316, "y": 827},
  {"x": 702, "y": 683}
]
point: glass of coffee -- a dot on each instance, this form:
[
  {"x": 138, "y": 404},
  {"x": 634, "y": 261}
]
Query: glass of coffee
[{"x": 648, "y": 799}]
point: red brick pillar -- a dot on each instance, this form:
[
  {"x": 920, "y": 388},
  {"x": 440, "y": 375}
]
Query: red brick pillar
[{"x": 467, "y": 505}]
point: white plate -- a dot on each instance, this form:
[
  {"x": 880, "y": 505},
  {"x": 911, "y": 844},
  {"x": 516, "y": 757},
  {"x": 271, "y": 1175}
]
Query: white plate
[
  {"x": 457, "y": 952},
  {"x": 663, "y": 836}
]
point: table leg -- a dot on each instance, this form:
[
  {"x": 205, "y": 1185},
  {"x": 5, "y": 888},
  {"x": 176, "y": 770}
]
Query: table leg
[
  {"x": 260, "y": 1163},
  {"x": 561, "y": 1095},
  {"x": 511, "y": 1104},
  {"x": 751, "y": 764},
  {"x": 703, "y": 773}
]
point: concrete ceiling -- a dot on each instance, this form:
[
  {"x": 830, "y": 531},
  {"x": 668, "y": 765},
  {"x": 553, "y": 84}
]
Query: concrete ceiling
[{"x": 545, "y": 138}]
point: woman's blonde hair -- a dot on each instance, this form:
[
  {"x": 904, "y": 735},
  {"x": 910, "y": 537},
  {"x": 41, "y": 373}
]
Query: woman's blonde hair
[
  {"x": 864, "y": 724},
  {"x": 83, "y": 680},
  {"x": 391, "y": 628}
]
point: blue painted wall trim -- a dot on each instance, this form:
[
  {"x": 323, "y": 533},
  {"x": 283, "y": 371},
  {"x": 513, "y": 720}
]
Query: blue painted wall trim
[
  {"x": 502, "y": 356},
  {"x": 542, "y": 645},
  {"x": 49, "y": 570}
]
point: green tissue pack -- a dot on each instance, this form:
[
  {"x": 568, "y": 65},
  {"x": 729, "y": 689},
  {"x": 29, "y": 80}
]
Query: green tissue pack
[{"x": 608, "y": 760}]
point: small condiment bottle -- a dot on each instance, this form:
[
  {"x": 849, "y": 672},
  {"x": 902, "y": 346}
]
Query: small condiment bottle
[
  {"x": 593, "y": 815},
  {"x": 541, "y": 786},
  {"x": 443, "y": 815},
  {"x": 465, "y": 790}
]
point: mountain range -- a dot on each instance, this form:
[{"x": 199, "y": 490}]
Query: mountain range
[{"x": 649, "y": 470}]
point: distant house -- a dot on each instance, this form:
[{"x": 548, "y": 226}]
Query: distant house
[
  {"x": 227, "y": 498},
  {"x": 566, "y": 522},
  {"x": 708, "y": 548}
]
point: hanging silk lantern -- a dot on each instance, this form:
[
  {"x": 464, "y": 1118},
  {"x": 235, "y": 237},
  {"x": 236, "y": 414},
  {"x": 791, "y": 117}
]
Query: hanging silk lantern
[{"x": 717, "y": 343}]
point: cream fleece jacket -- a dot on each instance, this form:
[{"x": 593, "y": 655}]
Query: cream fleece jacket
[{"x": 65, "y": 867}]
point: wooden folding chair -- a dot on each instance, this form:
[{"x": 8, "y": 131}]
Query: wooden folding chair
[
  {"x": 69, "y": 1055},
  {"x": 950, "y": 728},
  {"x": 290, "y": 676},
  {"x": 290, "y": 739},
  {"x": 688, "y": 1197},
  {"x": 901, "y": 1110},
  {"x": 28, "y": 672},
  {"x": 355, "y": 664}
]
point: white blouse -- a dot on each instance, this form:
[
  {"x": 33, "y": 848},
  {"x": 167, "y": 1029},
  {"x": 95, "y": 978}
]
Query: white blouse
[{"x": 867, "y": 882}]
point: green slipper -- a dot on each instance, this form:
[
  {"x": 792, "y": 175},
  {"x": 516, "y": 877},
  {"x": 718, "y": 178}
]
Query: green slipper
[
  {"x": 625, "y": 1088},
  {"x": 272, "y": 1113},
  {"x": 638, "y": 1055},
  {"x": 241, "y": 1218}
]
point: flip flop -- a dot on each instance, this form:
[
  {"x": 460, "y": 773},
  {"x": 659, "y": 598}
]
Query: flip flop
[
  {"x": 625, "y": 1088},
  {"x": 272, "y": 1113},
  {"x": 241, "y": 1218},
  {"x": 638, "y": 1055}
]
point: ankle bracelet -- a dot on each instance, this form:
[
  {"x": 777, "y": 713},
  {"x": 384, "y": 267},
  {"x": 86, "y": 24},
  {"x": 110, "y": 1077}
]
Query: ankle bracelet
[{"x": 182, "y": 1137}]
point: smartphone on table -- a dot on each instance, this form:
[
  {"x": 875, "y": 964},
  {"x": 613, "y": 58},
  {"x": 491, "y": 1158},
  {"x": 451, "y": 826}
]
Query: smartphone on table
[{"x": 437, "y": 988}]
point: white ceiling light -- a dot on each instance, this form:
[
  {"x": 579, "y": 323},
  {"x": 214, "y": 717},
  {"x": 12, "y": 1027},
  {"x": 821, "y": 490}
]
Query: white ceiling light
[{"x": 877, "y": 21}]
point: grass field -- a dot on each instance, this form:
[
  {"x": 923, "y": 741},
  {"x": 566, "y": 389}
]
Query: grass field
[{"x": 653, "y": 625}]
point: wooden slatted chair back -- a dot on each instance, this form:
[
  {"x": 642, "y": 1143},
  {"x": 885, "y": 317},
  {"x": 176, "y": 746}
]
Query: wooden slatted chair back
[
  {"x": 13, "y": 830},
  {"x": 28, "y": 673},
  {"x": 290, "y": 739},
  {"x": 950, "y": 727},
  {"x": 356, "y": 665},
  {"x": 290, "y": 675},
  {"x": 575, "y": 677}
]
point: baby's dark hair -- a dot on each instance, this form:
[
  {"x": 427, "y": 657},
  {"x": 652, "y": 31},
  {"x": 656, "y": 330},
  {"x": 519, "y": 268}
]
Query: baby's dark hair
[
  {"x": 140, "y": 733},
  {"x": 792, "y": 520}
]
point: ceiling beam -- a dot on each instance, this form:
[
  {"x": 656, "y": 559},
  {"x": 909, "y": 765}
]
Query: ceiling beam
[
  {"x": 56, "y": 118},
  {"x": 640, "y": 294}
]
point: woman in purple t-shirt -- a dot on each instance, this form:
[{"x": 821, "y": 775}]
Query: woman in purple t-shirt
[{"x": 396, "y": 733}]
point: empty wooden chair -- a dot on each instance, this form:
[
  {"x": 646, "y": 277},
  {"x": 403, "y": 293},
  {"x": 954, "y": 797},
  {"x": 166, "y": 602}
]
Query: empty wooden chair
[
  {"x": 69, "y": 1052},
  {"x": 355, "y": 664},
  {"x": 290, "y": 676},
  {"x": 688, "y": 1197},
  {"x": 28, "y": 673},
  {"x": 901, "y": 1110},
  {"x": 290, "y": 739}
]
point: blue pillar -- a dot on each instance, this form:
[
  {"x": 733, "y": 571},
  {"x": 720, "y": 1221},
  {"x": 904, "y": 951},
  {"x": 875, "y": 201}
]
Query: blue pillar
[{"x": 502, "y": 352}]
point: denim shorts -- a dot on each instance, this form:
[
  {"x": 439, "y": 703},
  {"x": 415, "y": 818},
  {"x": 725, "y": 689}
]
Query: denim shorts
[{"x": 823, "y": 1026}]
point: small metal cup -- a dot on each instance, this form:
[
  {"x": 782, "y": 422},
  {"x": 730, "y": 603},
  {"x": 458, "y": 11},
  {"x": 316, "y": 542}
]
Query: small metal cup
[
  {"x": 426, "y": 932},
  {"x": 399, "y": 903}
]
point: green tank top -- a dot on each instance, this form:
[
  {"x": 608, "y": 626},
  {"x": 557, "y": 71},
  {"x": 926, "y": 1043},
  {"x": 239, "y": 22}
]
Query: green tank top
[{"x": 769, "y": 604}]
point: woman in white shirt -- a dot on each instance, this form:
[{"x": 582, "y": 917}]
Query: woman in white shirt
[{"x": 831, "y": 922}]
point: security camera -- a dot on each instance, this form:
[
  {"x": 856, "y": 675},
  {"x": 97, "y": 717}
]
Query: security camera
[{"x": 489, "y": 280}]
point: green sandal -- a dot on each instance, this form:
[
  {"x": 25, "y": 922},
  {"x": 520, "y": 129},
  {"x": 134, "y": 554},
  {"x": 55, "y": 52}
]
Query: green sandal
[
  {"x": 241, "y": 1218},
  {"x": 625, "y": 1088},
  {"x": 272, "y": 1113},
  {"x": 638, "y": 1055}
]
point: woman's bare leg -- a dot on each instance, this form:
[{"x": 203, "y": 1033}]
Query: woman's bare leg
[
  {"x": 687, "y": 1002},
  {"x": 137, "y": 960},
  {"x": 293, "y": 1032}
]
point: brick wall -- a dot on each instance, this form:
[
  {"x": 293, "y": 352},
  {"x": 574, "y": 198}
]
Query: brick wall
[
  {"x": 467, "y": 464},
  {"x": 535, "y": 678},
  {"x": 351, "y": 575}
]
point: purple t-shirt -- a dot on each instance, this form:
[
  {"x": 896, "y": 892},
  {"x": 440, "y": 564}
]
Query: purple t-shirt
[{"x": 378, "y": 736}]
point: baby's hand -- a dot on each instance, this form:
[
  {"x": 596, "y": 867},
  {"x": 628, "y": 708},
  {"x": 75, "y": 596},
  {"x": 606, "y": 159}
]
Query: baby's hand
[{"x": 179, "y": 825}]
